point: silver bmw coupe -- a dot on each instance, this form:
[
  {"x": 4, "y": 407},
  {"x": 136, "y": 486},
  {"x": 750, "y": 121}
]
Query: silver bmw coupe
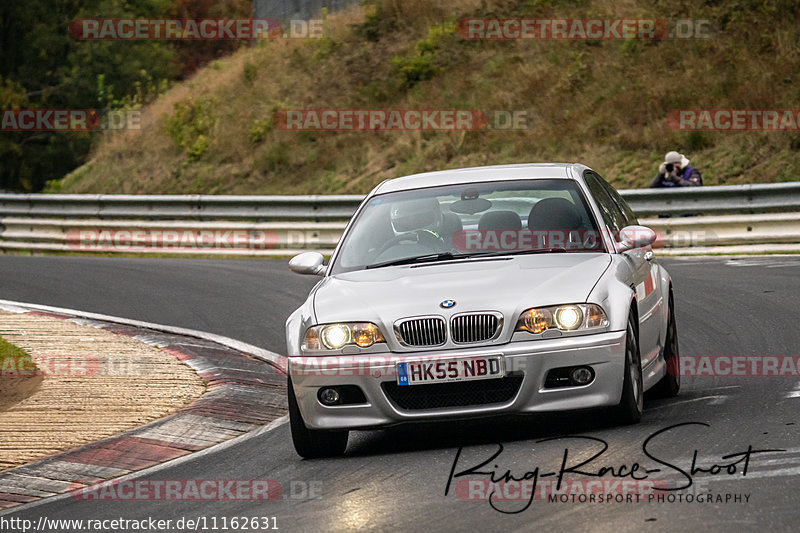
[{"x": 480, "y": 292}]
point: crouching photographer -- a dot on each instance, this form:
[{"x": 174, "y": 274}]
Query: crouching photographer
[{"x": 676, "y": 172}]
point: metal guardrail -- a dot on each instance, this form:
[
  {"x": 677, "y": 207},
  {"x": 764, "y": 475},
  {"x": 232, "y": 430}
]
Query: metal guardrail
[
  {"x": 716, "y": 200},
  {"x": 757, "y": 217},
  {"x": 180, "y": 207},
  {"x": 168, "y": 236}
]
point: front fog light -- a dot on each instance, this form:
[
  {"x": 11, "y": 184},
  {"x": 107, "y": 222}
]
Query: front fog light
[
  {"x": 569, "y": 317},
  {"x": 335, "y": 336},
  {"x": 329, "y": 396},
  {"x": 581, "y": 375}
]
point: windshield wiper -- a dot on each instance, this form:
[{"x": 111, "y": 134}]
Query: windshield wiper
[
  {"x": 427, "y": 258},
  {"x": 526, "y": 252},
  {"x": 448, "y": 256}
]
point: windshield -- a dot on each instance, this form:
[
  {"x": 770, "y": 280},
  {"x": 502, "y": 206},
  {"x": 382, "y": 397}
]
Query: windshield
[{"x": 469, "y": 220}]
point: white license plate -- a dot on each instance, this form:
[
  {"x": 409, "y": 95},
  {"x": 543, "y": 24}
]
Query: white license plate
[{"x": 423, "y": 372}]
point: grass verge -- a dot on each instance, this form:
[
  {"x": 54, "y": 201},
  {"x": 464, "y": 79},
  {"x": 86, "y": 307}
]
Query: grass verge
[
  {"x": 603, "y": 103},
  {"x": 19, "y": 375}
]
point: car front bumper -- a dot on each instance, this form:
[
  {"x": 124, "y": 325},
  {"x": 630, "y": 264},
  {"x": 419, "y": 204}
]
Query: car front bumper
[{"x": 603, "y": 352}]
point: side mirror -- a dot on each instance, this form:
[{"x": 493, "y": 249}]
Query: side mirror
[
  {"x": 308, "y": 263},
  {"x": 631, "y": 237}
]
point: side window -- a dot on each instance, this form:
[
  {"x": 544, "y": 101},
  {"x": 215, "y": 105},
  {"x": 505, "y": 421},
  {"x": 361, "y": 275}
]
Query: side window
[
  {"x": 630, "y": 216},
  {"x": 612, "y": 214}
]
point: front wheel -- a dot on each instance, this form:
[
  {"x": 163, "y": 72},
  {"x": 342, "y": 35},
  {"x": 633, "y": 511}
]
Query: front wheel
[
  {"x": 670, "y": 384},
  {"x": 631, "y": 405},
  {"x": 313, "y": 443}
]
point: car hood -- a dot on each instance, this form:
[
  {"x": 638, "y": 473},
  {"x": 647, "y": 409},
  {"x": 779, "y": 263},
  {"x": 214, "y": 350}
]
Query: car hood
[{"x": 505, "y": 284}]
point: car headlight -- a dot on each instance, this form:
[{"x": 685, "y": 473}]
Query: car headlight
[
  {"x": 562, "y": 317},
  {"x": 568, "y": 317},
  {"x": 336, "y": 336}
]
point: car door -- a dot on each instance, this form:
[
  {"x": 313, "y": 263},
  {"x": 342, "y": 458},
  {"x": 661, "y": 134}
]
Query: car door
[{"x": 648, "y": 295}]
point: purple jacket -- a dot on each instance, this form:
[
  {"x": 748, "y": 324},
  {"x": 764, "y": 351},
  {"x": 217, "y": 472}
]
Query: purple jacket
[{"x": 690, "y": 177}]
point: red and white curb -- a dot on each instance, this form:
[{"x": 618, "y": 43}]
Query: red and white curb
[{"x": 246, "y": 397}]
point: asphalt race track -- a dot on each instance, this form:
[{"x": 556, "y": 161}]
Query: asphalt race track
[{"x": 395, "y": 480}]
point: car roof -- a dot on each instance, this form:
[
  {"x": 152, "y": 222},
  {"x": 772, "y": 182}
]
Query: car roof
[{"x": 478, "y": 174}]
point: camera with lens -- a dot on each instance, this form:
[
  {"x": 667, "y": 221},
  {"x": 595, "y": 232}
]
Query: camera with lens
[{"x": 670, "y": 167}]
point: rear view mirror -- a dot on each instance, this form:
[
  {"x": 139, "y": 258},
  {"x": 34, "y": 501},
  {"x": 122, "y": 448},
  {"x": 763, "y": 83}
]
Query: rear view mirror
[
  {"x": 308, "y": 263},
  {"x": 631, "y": 237}
]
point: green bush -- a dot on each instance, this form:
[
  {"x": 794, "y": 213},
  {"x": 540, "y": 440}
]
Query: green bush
[
  {"x": 198, "y": 148},
  {"x": 275, "y": 157},
  {"x": 414, "y": 69},
  {"x": 259, "y": 129},
  {"x": 190, "y": 126},
  {"x": 697, "y": 140},
  {"x": 376, "y": 24},
  {"x": 425, "y": 62},
  {"x": 249, "y": 72}
]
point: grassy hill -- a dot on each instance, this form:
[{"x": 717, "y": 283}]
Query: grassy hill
[{"x": 603, "y": 103}]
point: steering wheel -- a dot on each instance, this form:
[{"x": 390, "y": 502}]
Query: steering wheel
[{"x": 408, "y": 236}]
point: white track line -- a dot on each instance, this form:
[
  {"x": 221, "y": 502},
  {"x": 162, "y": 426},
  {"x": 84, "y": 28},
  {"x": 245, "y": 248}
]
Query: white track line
[
  {"x": 716, "y": 399},
  {"x": 794, "y": 393},
  {"x": 261, "y": 353}
]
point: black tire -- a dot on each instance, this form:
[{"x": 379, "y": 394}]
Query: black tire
[
  {"x": 670, "y": 384},
  {"x": 313, "y": 443},
  {"x": 631, "y": 404}
]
